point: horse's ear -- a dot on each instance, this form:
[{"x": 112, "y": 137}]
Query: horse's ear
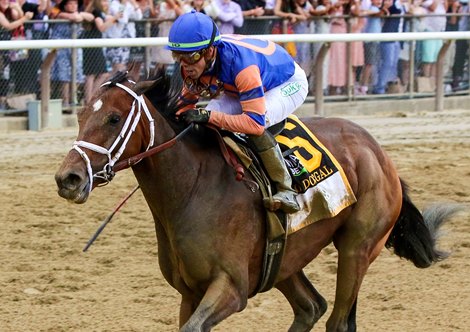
[
  {"x": 133, "y": 71},
  {"x": 143, "y": 86}
]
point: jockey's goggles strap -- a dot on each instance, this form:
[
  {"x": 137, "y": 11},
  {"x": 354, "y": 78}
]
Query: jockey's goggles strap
[{"x": 214, "y": 32}]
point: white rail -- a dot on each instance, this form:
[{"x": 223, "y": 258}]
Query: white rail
[{"x": 283, "y": 38}]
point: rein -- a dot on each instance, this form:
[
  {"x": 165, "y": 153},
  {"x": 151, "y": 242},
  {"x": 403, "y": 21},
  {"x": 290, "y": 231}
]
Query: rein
[
  {"x": 113, "y": 166},
  {"x": 135, "y": 159}
]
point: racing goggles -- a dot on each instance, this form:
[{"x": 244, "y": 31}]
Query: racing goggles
[{"x": 186, "y": 57}]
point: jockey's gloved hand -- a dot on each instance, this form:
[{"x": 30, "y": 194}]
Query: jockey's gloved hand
[{"x": 198, "y": 115}]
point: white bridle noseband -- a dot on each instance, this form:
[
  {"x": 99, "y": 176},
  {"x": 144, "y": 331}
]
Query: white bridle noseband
[{"x": 126, "y": 132}]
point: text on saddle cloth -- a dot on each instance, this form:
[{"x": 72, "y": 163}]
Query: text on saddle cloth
[
  {"x": 305, "y": 156},
  {"x": 323, "y": 188}
]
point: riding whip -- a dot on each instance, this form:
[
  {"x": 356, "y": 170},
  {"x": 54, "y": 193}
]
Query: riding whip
[{"x": 108, "y": 219}]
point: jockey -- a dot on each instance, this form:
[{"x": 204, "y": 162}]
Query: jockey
[{"x": 261, "y": 86}]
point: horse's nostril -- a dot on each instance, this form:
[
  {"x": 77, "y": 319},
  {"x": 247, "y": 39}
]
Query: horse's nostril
[
  {"x": 68, "y": 181},
  {"x": 74, "y": 179}
]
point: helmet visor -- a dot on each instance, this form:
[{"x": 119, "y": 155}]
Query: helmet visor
[{"x": 188, "y": 57}]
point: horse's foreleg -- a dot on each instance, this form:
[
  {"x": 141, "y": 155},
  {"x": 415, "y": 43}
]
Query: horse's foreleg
[
  {"x": 221, "y": 300},
  {"x": 187, "y": 307},
  {"x": 307, "y": 303}
]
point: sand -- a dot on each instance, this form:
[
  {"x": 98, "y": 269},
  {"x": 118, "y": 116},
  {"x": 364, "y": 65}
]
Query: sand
[{"x": 49, "y": 284}]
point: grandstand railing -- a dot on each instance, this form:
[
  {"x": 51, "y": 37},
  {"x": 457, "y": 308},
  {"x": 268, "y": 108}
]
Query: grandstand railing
[{"x": 325, "y": 40}]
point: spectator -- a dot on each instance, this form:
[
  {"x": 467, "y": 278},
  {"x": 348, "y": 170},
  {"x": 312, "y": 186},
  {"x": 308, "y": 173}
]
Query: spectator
[
  {"x": 389, "y": 51},
  {"x": 322, "y": 25},
  {"x": 252, "y": 9},
  {"x": 452, "y": 21},
  {"x": 168, "y": 10},
  {"x": 411, "y": 24},
  {"x": 357, "y": 23},
  {"x": 29, "y": 82},
  {"x": 53, "y": 9},
  {"x": 147, "y": 8},
  {"x": 61, "y": 71},
  {"x": 40, "y": 8},
  {"x": 405, "y": 46},
  {"x": 127, "y": 11},
  {"x": 323, "y": 8},
  {"x": 452, "y": 24},
  {"x": 230, "y": 16},
  {"x": 94, "y": 61},
  {"x": 269, "y": 7},
  {"x": 304, "y": 50},
  {"x": 288, "y": 10},
  {"x": 432, "y": 23},
  {"x": 371, "y": 49},
  {"x": 461, "y": 47},
  {"x": 337, "y": 72},
  {"x": 12, "y": 19},
  {"x": 208, "y": 7}
]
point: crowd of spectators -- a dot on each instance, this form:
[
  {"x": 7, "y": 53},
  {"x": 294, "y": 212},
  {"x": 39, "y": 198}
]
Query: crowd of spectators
[{"x": 377, "y": 67}]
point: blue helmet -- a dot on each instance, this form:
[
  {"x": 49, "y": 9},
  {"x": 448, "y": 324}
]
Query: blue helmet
[{"x": 191, "y": 32}]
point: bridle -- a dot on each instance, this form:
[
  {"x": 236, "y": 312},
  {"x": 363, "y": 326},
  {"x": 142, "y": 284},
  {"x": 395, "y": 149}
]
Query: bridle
[
  {"x": 107, "y": 174},
  {"x": 113, "y": 166}
]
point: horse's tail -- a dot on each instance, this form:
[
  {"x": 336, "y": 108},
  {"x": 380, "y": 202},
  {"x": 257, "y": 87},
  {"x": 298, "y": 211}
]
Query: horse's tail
[{"x": 414, "y": 235}]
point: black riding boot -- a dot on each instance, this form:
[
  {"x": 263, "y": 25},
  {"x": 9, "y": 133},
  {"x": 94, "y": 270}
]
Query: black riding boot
[{"x": 271, "y": 156}]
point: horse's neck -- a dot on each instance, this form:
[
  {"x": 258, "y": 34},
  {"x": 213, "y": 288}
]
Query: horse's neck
[{"x": 168, "y": 178}]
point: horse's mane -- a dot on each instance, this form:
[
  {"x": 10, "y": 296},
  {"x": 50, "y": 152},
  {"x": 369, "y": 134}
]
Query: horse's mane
[
  {"x": 165, "y": 96},
  {"x": 165, "y": 93}
]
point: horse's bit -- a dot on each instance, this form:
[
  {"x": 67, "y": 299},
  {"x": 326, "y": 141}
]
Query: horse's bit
[{"x": 127, "y": 130}]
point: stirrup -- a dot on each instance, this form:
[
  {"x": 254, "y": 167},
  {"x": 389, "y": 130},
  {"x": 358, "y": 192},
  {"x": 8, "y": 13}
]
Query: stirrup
[{"x": 282, "y": 202}]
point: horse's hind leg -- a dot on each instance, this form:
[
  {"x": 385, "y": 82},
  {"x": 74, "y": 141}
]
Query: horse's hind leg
[
  {"x": 358, "y": 244},
  {"x": 307, "y": 303}
]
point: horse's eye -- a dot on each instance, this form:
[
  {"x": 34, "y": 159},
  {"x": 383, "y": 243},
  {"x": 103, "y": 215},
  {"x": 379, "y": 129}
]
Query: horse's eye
[{"x": 114, "y": 118}]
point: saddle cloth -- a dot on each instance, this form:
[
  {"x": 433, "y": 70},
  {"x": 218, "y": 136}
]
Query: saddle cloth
[{"x": 323, "y": 188}]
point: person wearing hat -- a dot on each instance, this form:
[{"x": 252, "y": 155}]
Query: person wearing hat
[{"x": 251, "y": 84}]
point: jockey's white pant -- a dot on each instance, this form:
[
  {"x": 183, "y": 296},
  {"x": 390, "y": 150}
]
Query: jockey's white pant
[{"x": 281, "y": 101}]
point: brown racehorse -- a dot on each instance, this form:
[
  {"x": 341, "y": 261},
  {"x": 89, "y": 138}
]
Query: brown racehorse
[{"x": 210, "y": 229}]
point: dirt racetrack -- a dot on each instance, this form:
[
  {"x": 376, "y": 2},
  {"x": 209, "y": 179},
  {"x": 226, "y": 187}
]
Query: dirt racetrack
[{"x": 48, "y": 284}]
